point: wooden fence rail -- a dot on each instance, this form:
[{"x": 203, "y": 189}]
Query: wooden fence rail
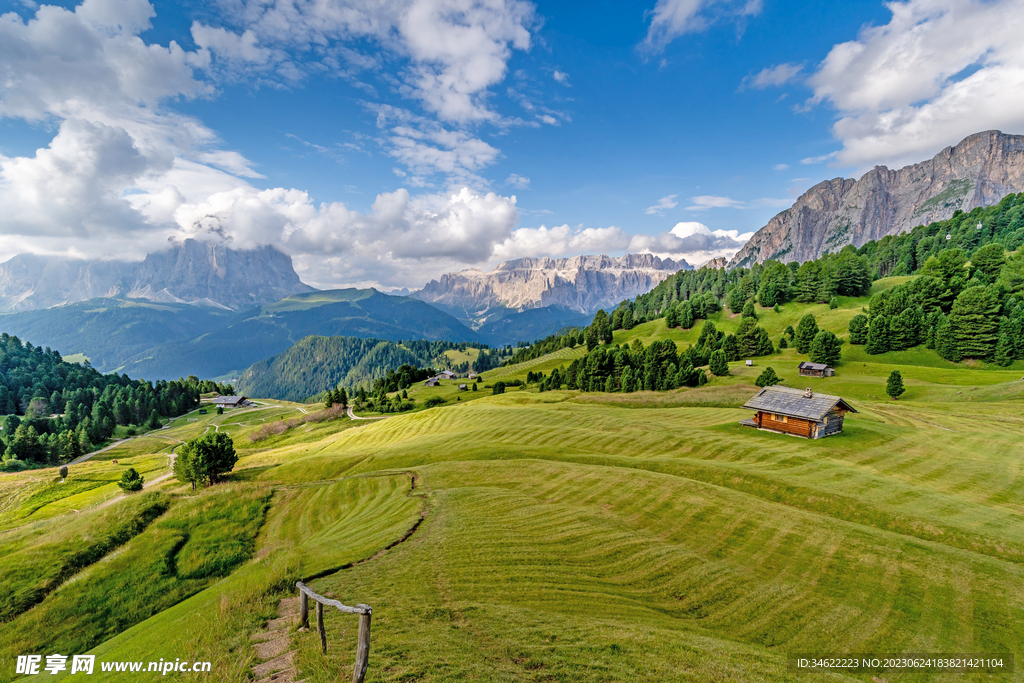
[{"x": 365, "y": 613}]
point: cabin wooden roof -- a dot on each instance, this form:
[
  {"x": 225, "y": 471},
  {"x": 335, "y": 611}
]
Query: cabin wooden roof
[
  {"x": 796, "y": 403},
  {"x": 807, "y": 365}
]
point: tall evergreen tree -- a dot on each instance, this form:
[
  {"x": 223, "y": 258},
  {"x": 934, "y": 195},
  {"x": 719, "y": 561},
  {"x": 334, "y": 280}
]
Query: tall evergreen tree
[
  {"x": 719, "y": 364},
  {"x": 826, "y": 348},
  {"x": 878, "y": 335},
  {"x": 859, "y": 329},
  {"x": 805, "y": 333},
  {"x": 894, "y": 385},
  {"x": 1005, "y": 347},
  {"x": 974, "y": 323},
  {"x": 767, "y": 378}
]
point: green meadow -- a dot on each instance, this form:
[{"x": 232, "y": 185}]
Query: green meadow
[{"x": 556, "y": 536}]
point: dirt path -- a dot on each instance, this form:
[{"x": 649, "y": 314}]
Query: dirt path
[{"x": 356, "y": 417}]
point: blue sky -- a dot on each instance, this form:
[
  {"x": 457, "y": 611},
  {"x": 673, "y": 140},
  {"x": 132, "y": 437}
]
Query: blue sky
[{"x": 383, "y": 143}]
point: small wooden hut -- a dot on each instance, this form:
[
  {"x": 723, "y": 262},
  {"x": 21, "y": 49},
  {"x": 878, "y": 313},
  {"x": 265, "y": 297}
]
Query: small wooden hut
[
  {"x": 808, "y": 369},
  {"x": 801, "y": 413}
]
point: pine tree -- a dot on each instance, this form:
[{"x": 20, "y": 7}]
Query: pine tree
[
  {"x": 767, "y": 378},
  {"x": 859, "y": 329},
  {"x": 826, "y": 348},
  {"x": 945, "y": 342},
  {"x": 833, "y": 304},
  {"x": 686, "y": 315},
  {"x": 131, "y": 480},
  {"x": 805, "y": 332},
  {"x": 748, "y": 310},
  {"x": 894, "y": 386},
  {"x": 719, "y": 364},
  {"x": 878, "y": 335},
  {"x": 974, "y": 323},
  {"x": 672, "y": 318},
  {"x": 731, "y": 347},
  {"x": 783, "y": 344},
  {"x": 1005, "y": 348}
]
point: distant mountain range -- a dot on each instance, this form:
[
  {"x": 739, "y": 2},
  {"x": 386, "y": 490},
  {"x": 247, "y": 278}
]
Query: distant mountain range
[
  {"x": 198, "y": 273},
  {"x": 166, "y": 341},
  {"x": 979, "y": 171},
  {"x": 579, "y": 285}
]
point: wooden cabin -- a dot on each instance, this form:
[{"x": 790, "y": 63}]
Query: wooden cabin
[
  {"x": 230, "y": 401},
  {"x": 815, "y": 370},
  {"x": 801, "y": 413}
]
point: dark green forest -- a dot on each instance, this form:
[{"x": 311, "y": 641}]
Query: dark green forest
[{"x": 57, "y": 410}]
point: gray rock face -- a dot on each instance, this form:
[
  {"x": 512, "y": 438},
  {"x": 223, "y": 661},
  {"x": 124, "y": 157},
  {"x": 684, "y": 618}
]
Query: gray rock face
[
  {"x": 581, "y": 283},
  {"x": 979, "y": 171},
  {"x": 194, "y": 272}
]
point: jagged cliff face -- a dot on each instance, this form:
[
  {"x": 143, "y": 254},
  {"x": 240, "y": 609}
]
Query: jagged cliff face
[
  {"x": 582, "y": 283},
  {"x": 194, "y": 272},
  {"x": 979, "y": 171}
]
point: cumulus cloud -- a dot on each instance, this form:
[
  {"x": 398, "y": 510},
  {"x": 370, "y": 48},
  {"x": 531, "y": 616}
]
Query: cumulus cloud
[
  {"x": 937, "y": 72},
  {"x": 673, "y": 18},
  {"x": 772, "y": 76},
  {"x": 694, "y": 242},
  {"x": 453, "y": 50},
  {"x": 662, "y": 204},
  {"x": 561, "y": 77}
]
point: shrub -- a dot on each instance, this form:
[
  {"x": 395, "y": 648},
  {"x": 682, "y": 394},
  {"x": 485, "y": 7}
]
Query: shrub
[
  {"x": 434, "y": 401},
  {"x": 131, "y": 480},
  {"x": 498, "y": 388}
]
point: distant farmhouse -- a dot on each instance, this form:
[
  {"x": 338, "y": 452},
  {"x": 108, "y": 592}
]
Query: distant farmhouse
[
  {"x": 230, "y": 401},
  {"x": 432, "y": 382},
  {"x": 471, "y": 375},
  {"x": 463, "y": 387},
  {"x": 815, "y": 370},
  {"x": 801, "y": 413},
  {"x": 447, "y": 374}
]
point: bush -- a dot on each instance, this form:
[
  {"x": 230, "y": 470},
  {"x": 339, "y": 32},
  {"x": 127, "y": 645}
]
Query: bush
[
  {"x": 434, "y": 401},
  {"x": 131, "y": 480},
  {"x": 13, "y": 465},
  {"x": 498, "y": 388}
]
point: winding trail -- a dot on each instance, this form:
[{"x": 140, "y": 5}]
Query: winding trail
[{"x": 356, "y": 417}]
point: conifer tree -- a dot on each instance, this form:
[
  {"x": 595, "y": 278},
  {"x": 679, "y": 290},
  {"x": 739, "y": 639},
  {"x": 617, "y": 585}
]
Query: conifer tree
[
  {"x": 686, "y": 315},
  {"x": 731, "y": 347},
  {"x": 805, "y": 332},
  {"x": 859, "y": 329},
  {"x": 826, "y": 348},
  {"x": 767, "y": 378},
  {"x": 1005, "y": 348},
  {"x": 748, "y": 310},
  {"x": 894, "y": 385},
  {"x": 974, "y": 324},
  {"x": 719, "y": 364},
  {"x": 878, "y": 335}
]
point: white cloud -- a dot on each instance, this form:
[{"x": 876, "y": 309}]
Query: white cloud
[
  {"x": 517, "y": 181},
  {"x": 561, "y": 77},
  {"x": 662, "y": 204},
  {"x": 780, "y": 167},
  {"x": 819, "y": 159},
  {"x": 673, "y": 18},
  {"x": 454, "y": 49},
  {"x": 772, "y": 76},
  {"x": 693, "y": 242},
  {"x": 937, "y": 72},
  {"x": 561, "y": 240},
  {"x": 711, "y": 202}
]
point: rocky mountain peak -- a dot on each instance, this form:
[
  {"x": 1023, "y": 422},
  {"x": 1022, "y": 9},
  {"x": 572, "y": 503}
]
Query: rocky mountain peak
[{"x": 978, "y": 171}]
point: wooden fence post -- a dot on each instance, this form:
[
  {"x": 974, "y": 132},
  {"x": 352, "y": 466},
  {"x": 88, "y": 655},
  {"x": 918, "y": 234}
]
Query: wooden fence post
[
  {"x": 320, "y": 626},
  {"x": 303, "y": 609},
  {"x": 363, "y": 646}
]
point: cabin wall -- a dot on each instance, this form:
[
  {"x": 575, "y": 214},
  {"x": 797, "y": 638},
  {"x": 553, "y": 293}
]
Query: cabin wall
[
  {"x": 791, "y": 425},
  {"x": 831, "y": 424}
]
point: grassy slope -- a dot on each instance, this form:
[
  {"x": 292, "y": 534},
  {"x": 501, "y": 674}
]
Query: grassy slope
[{"x": 604, "y": 537}]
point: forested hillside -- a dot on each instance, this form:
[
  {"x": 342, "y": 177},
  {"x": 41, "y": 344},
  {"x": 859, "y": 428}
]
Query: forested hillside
[
  {"x": 966, "y": 301},
  {"x": 317, "y": 364},
  {"x": 57, "y": 410}
]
